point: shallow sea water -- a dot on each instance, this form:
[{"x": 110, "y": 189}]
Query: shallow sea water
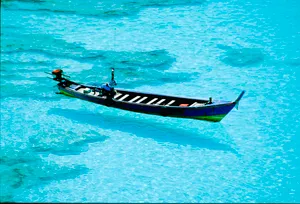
[{"x": 60, "y": 149}]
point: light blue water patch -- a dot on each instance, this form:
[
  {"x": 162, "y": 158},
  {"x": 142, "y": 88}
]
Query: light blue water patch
[{"x": 60, "y": 149}]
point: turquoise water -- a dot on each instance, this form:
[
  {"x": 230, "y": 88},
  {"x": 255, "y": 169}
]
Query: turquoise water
[{"x": 60, "y": 149}]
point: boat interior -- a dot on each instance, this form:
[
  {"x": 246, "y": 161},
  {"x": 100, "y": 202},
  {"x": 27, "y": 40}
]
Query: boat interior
[{"x": 142, "y": 98}]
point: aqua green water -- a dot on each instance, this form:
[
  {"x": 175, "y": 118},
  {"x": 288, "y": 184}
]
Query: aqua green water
[{"x": 60, "y": 149}]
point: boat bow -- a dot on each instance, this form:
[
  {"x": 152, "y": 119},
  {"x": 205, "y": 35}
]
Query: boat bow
[{"x": 238, "y": 99}]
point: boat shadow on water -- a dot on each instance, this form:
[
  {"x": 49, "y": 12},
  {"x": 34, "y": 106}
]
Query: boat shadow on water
[{"x": 146, "y": 129}]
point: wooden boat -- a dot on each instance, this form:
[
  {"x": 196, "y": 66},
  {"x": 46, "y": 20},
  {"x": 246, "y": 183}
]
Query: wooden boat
[{"x": 149, "y": 103}]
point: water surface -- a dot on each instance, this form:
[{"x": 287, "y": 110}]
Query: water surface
[{"x": 60, "y": 149}]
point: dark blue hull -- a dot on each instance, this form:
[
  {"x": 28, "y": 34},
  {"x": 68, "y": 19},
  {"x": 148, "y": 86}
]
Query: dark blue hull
[{"x": 212, "y": 112}]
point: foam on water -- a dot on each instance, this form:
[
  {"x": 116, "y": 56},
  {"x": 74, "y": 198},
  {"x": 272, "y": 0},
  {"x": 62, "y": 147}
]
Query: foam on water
[{"x": 60, "y": 149}]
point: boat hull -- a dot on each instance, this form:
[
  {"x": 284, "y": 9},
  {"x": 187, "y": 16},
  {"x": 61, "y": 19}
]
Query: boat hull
[{"x": 212, "y": 113}]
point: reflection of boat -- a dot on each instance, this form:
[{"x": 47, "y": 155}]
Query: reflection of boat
[{"x": 149, "y": 103}]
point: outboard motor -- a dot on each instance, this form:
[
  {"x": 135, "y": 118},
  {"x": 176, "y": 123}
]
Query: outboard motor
[{"x": 58, "y": 74}]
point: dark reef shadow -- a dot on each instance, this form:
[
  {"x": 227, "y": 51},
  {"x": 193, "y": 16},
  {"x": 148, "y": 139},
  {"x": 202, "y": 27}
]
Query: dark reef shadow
[
  {"x": 70, "y": 149},
  {"x": 141, "y": 128},
  {"x": 24, "y": 169},
  {"x": 241, "y": 56},
  {"x": 123, "y": 9}
]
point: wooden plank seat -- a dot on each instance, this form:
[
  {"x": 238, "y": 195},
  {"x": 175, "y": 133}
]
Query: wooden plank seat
[
  {"x": 117, "y": 95},
  {"x": 84, "y": 90},
  {"x": 159, "y": 102},
  {"x": 135, "y": 98},
  {"x": 196, "y": 104},
  {"x": 75, "y": 87},
  {"x": 171, "y": 102},
  {"x": 92, "y": 93},
  {"x": 123, "y": 97},
  {"x": 152, "y": 101},
  {"x": 142, "y": 99}
]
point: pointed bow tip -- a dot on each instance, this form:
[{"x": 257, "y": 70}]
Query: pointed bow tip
[{"x": 238, "y": 99}]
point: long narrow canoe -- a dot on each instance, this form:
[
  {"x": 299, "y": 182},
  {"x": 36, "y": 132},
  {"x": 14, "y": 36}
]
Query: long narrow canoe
[{"x": 150, "y": 103}]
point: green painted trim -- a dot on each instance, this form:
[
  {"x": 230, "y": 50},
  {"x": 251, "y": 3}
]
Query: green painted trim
[
  {"x": 214, "y": 118},
  {"x": 65, "y": 93}
]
